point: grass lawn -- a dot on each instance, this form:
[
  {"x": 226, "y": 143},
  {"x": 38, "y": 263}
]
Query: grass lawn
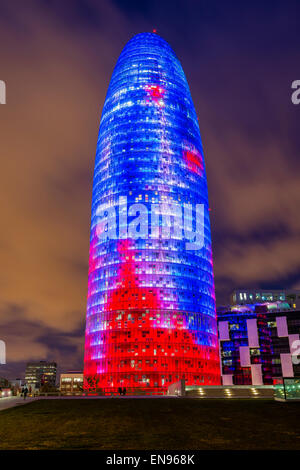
[{"x": 146, "y": 424}]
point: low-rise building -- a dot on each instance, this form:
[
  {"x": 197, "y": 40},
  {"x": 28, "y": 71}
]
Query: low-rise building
[
  {"x": 5, "y": 388},
  {"x": 254, "y": 296},
  {"x": 71, "y": 383},
  {"x": 4, "y": 383}
]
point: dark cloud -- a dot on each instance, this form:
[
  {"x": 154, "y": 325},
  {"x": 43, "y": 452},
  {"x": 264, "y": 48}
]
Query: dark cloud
[
  {"x": 57, "y": 61},
  {"x": 33, "y": 341}
]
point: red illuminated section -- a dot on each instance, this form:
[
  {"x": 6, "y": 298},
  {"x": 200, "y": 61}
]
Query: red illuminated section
[
  {"x": 194, "y": 161},
  {"x": 142, "y": 343},
  {"x": 156, "y": 94}
]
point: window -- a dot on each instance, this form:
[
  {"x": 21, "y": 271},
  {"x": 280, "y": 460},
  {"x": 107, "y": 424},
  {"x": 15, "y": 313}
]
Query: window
[{"x": 254, "y": 352}]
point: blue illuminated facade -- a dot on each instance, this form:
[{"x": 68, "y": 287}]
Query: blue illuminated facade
[{"x": 151, "y": 316}]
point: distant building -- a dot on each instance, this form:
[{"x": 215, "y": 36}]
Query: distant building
[
  {"x": 71, "y": 383},
  {"x": 16, "y": 385},
  {"x": 4, "y": 383},
  {"x": 40, "y": 373},
  {"x": 258, "y": 343},
  {"x": 5, "y": 388},
  {"x": 254, "y": 296}
]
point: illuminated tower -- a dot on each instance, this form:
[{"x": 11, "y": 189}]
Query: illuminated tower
[{"x": 151, "y": 316}]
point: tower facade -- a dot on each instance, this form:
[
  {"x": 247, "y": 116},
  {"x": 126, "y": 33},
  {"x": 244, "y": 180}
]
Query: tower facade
[{"x": 151, "y": 317}]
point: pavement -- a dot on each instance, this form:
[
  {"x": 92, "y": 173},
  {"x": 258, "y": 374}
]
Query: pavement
[{"x": 10, "y": 402}]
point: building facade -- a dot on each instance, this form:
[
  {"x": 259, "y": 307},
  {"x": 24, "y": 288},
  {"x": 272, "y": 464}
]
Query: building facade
[
  {"x": 4, "y": 383},
  {"x": 40, "y": 373},
  {"x": 151, "y": 316},
  {"x": 71, "y": 383},
  {"x": 259, "y": 343},
  {"x": 254, "y": 296}
]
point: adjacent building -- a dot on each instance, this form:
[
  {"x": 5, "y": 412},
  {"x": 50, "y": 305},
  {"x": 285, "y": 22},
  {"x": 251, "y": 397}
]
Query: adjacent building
[
  {"x": 71, "y": 383},
  {"x": 40, "y": 373},
  {"x": 151, "y": 317},
  {"x": 259, "y": 343},
  {"x": 254, "y": 296}
]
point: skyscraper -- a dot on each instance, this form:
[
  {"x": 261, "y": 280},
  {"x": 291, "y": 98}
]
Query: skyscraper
[{"x": 151, "y": 316}]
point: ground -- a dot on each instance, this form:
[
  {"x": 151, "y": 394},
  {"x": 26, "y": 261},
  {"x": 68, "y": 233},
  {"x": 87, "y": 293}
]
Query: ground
[{"x": 152, "y": 423}]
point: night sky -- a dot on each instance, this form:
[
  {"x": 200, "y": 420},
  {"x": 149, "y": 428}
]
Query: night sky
[{"x": 56, "y": 58}]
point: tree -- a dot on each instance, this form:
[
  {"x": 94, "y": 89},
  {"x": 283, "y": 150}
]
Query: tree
[{"x": 91, "y": 383}]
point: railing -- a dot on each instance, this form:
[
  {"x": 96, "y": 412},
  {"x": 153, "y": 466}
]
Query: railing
[
  {"x": 114, "y": 391},
  {"x": 46, "y": 394}
]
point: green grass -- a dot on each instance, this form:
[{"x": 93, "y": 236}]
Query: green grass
[{"x": 151, "y": 424}]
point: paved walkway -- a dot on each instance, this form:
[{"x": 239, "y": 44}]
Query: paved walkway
[{"x": 10, "y": 402}]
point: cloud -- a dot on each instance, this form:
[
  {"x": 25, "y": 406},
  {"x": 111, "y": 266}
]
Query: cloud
[
  {"x": 32, "y": 341},
  {"x": 249, "y": 263},
  {"x": 56, "y": 83}
]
